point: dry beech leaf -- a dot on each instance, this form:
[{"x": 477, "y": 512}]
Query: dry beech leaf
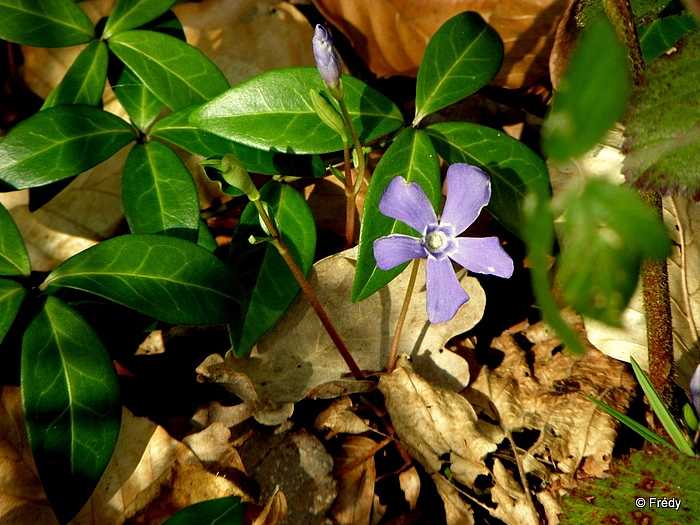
[
  {"x": 512, "y": 506},
  {"x": 457, "y": 511},
  {"x": 275, "y": 510},
  {"x": 438, "y": 427},
  {"x": 409, "y": 481},
  {"x": 297, "y": 356},
  {"x": 391, "y": 35},
  {"x": 340, "y": 419},
  {"x": 353, "y": 506}
]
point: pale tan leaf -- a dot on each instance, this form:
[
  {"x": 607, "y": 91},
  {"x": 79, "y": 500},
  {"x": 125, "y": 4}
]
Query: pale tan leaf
[
  {"x": 512, "y": 507},
  {"x": 275, "y": 510},
  {"x": 409, "y": 481},
  {"x": 297, "y": 355},
  {"x": 353, "y": 506},
  {"x": 438, "y": 427},
  {"x": 457, "y": 511},
  {"x": 339, "y": 418},
  {"x": 391, "y": 35}
]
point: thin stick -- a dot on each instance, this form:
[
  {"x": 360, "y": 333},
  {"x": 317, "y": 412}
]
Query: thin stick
[{"x": 393, "y": 351}]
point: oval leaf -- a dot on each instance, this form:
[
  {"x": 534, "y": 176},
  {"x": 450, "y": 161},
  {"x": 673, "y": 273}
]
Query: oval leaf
[
  {"x": 461, "y": 57},
  {"x": 412, "y": 155},
  {"x": 70, "y": 396},
  {"x": 273, "y": 111},
  {"x": 168, "y": 278},
  {"x": 264, "y": 284},
  {"x": 57, "y": 23},
  {"x": 592, "y": 93},
  {"x": 158, "y": 193},
  {"x": 513, "y": 167},
  {"x": 142, "y": 106},
  {"x": 223, "y": 511},
  {"x": 176, "y": 72},
  {"x": 60, "y": 142},
  {"x": 130, "y": 14},
  {"x": 84, "y": 82},
  {"x": 11, "y": 296},
  {"x": 176, "y": 128},
  {"x": 14, "y": 259}
]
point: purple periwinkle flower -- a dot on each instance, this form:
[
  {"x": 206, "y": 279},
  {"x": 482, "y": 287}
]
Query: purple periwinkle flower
[
  {"x": 468, "y": 191},
  {"x": 327, "y": 61},
  {"x": 695, "y": 390}
]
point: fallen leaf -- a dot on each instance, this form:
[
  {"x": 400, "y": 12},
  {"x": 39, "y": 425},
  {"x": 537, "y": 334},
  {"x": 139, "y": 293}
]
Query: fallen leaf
[
  {"x": 390, "y": 36},
  {"x": 457, "y": 512},
  {"x": 339, "y": 418},
  {"x": 409, "y": 481},
  {"x": 297, "y": 355},
  {"x": 512, "y": 506},
  {"x": 353, "y": 506},
  {"x": 274, "y": 512}
]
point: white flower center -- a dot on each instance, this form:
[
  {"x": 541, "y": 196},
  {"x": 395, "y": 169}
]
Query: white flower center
[{"x": 435, "y": 241}]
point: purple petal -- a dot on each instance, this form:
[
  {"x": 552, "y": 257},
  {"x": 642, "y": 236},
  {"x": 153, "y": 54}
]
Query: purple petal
[
  {"x": 407, "y": 203},
  {"x": 392, "y": 250},
  {"x": 695, "y": 390},
  {"x": 483, "y": 255},
  {"x": 444, "y": 293},
  {"x": 468, "y": 191},
  {"x": 326, "y": 58}
]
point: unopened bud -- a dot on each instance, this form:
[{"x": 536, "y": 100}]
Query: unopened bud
[
  {"x": 327, "y": 61},
  {"x": 695, "y": 390}
]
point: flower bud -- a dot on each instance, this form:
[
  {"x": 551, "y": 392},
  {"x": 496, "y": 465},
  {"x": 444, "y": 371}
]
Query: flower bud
[
  {"x": 695, "y": 390},
  {"x": 327, "y": 61}
]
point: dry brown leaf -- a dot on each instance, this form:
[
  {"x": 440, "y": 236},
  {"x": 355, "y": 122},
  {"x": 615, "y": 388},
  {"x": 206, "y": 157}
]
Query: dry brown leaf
[
  {"x": 438, "y": 427},
  {"x": 297, "y": 355},
  {"x": 339, "y": 418},
  {"x": 409, "y": 481},
  {"x": 512, "y": 506},
  {"x": 353, "y": 506},
  {"x": 391, "y": 35},
  {"x": 457, "y": 512},
  {"x": 274, "y": 512}
]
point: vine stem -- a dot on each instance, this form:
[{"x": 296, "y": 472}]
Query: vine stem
[
  {"x": 310, "y": 294},
  {"x": 394, "y": 350},
  {"x": 655, "y": 288}
]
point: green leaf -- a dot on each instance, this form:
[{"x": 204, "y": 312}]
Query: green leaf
[
  {"x": 592, "y": 94},
  {"x": 142, "y": 106},
  {"x": 461, "y": 57},
  {"x": 264, "y": 283},
  {"x": 70, "y": 397},
  {"x": 659, "y": 36},
  {"x": 607, "y": 230},
  {"x": 205, "y": 239},
  {"x": 513, "y": 167},
  {"x": 38, "y": 23},
  {"x": 14, "y": 259},
  {"x": 638, "y": 489},
  {"x": 176, "y": 72},
  {"x": 84, "y": 82},
  {"x": 60, "y": 142},
  {"x": 158, "y": 193},
  {"x": 412, "y": 156},
  {"x": 662, "y": 127},
  {"x": 175, "y": 128},
  {"x": 11, "y": 296},
  {"x": 168, "y": 278},
  {"x": 130, "y": 14},
  {"x": 273, "y": 111},
  {"x": 683, "y": 442},
  {"x": 219, "y": 511}
]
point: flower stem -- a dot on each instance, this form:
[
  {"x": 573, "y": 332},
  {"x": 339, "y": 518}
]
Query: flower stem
[
  {"x": 393, "y": 351},
  {"x": 351, "y": 189},
  {"x": 349, "y": 198},
  {"x": 309, "y": 292}
]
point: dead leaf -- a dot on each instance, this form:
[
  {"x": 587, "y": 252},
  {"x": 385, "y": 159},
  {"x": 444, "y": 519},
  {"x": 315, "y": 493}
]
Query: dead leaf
[
  {"x": 274, "y": 512},
  {"x": 409, "y": 481},
  {"x": 353, "y": 506},
  {"x": 457, "y": 512},
  {"x": 438, "y": 427},
  {"x": 512, "y": 506},
  {"x": 297, "y": 355},
  {"x": 390, "y": 36},
  {"x": 339, "y": 418}
]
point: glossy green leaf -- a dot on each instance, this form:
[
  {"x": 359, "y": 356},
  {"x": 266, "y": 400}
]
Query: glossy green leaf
[
  {"x": 60, "y": 142},
  {"x": 70, "y": 397},
  {"x": 592, "y": 95},
  {"x": 168, "y": 278},
  {"x": 205, "y": 238},
  {"x": 513, "y": 167},
  {"x": 14, "y": 259},
  {"x": 130, "y": 14},
  {"x": 662, "y": 126},
  {"x": 659, "y": 36},
  {"x": 142, "y": 106},
  {"x": 158, "y": 193},
  {"x": 273, "y": 111},
  {"x": 175, "y": 128},
  {"x": 39, "y": 23},
  {"x": 84, "y": 82},
  {"x": 412, "y": 156},
  {"x": 461, "y": 57},
  {"x": 264, "y": 284},
  {"x": 11, "y": 296},
  {"x": 607, "y": 230},
  {"x": 176, "y": 72},
  {"x": 219, "y": 511}
]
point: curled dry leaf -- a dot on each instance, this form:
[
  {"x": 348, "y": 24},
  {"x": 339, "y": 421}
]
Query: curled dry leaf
[
  {"x": 390, "y": 35},
  {"x": 353, "y": 506},
  {"x": 297, "y": 356},
  {"x": 409, "y": 481},
  {"x": 339, "y": 418}
]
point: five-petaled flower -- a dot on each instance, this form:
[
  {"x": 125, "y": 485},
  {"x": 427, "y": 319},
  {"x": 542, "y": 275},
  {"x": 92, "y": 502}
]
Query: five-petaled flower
[
  {"x": 327, "y": 61},
  {"x": 468, "y": 191}
]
